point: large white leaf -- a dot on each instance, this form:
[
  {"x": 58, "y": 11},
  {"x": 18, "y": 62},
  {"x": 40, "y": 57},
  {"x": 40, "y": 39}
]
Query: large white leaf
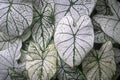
[
  {"x": 74, "y": 8},
  {"x": 43, "y": 24},
  {"x": 41, "y": 65},
  {"x": 110, "y": 24},
  {"x": 15, "y": 17},
  {"x": 100, "y": 65},
  {"x": 8, "y": 60},
  {"x": 74, "y": 40},
  {"x": 65, "y": 72}
]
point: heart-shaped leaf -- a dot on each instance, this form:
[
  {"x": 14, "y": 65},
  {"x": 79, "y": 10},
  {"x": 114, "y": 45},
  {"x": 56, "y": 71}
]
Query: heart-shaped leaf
[
  {"x": 8, "y": 60},
  {"x": 74, "y": 40},
  {"x": 41, "y": 65},
  {"x": 15, "y": 17},
  {"x": 100, "y": 65},
  {"x": 74, "y": 8},
  {"x": 43, "y": 24},
  {"x": 110, "y": 24},
  {"x": 65, "y": 72}
]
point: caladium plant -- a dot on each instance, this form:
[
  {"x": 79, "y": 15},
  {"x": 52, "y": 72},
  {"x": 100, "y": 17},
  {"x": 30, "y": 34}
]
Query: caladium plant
[{"x": 59, "y": 39}]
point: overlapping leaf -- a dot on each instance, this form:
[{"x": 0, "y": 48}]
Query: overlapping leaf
[
  {"x": 43, "y": 24},
  {"x": 117, "y": 55},
  {"x": 102, "y": 7},
  {"x": 74, "y": 40},
  {"x": 100, "y": 65},
  {"x": 15, "y": 17},
  {"x": 41, "y": 65},
  {"x": 110, "y": 24},
  {"x": 74, "y": 8},
  {"x": 8, "y": 60},
  {"x": 65, "y": 72},
  {"x": 101, "y": 37},
  {"x": 26, "y": 34}
]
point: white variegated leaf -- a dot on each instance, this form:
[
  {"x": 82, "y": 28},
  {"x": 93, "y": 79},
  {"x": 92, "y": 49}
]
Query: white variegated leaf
[
  {"x": 110, "y": 24},
  {"x": 74, "y": 40},
  {"x": 43, "y": 27},
  {"x": 8, "y": 60},
  {"x": 15, "y": 17},
  {"x": 115, "y": 8},
  {"x": 41, "y": 65},
  {"x": 100, "y": 65},
  {"x": 74, "y": 8},
  {"x": 5, "y": 42}
]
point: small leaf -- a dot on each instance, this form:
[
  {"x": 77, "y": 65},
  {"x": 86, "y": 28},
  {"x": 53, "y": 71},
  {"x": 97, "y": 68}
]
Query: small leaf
[
  {"x": 74, "y": 40},
  {"x": 8, "y": 60},
  {"x": 100, "y": 65},
  {"x": 41, "y": 65},
  {"x": 74, "y": 8},
  {"x": 15, "y": 17},
  {"x": 43, "y": 29}
]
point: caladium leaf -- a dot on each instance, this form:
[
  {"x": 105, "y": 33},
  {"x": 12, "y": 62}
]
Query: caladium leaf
[
  {"x": 110, "y": 24},
  {"x": 115, "y": 6},
  {"x": 5, "y": 42},
  {"x": 8, "y": 60},
  {"x": 74, "y": 40},
  {"x": 101, "y": 37},
  {"x": 41, "y": 65},
  {"x": 15, "y": 17},
  {"x": 65, "y": 72},
  {"x": 74, "y": 8},
  {"x": 100, "y": 65},
  {"x": 43, "y": 26}
]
